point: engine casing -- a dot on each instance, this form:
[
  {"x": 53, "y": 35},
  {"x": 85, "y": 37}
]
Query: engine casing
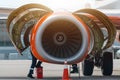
[{"x": 60, "y": 37}]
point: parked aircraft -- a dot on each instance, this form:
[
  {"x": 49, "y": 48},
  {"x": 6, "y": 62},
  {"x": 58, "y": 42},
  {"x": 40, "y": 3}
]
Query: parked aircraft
[{"x": 56, "y": 37}]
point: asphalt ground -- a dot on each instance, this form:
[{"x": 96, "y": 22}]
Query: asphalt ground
[
  {"x": 18, "y": 69},
  {"x": 71, "y": 78}
]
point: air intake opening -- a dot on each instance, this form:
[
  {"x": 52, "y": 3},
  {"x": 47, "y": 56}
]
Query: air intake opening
[{"x": 62, "y": 39}]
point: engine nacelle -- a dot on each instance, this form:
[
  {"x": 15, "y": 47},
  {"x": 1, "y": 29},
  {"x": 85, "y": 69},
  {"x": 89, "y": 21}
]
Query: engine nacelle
[
  {"x": 60, "y": 37},
  {"x": 56, "y": 37}
]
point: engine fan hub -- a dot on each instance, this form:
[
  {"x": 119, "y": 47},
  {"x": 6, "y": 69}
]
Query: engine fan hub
[{"x": 59, "y": 38}]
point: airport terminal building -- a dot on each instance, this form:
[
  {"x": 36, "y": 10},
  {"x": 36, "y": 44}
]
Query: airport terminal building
[{"x": 7, "y": 50}]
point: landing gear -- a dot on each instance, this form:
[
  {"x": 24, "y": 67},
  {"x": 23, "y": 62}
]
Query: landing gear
[
  {"x": 107, "y": 65},
  {"x": 87, "y": 67},
  {"x": 104, "y": 61}
]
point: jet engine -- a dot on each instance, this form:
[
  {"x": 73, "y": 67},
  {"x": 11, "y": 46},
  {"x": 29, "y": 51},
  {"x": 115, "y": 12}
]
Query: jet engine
[
  {"x": 56, "y": 37},
  {"x": 60, "y": 37}
]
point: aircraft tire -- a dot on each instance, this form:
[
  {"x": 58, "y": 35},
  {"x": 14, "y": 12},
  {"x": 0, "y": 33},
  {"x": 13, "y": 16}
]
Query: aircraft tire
[
  {"x": 107, "y": 66},
  {"x": 87, "y": 67}
]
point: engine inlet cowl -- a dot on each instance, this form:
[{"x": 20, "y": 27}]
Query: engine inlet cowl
[{"x": 60, "y": 37}]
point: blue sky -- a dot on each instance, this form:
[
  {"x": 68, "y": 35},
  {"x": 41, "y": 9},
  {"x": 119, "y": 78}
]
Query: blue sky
[{"x": 53, "y": 4}]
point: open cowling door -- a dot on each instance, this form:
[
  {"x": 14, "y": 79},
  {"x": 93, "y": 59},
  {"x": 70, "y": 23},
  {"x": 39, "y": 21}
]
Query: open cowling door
[{"x": 21, "y": 21}]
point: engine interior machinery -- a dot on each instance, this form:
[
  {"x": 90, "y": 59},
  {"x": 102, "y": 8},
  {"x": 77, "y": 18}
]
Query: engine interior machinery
[{"x": 55, "y": 37}]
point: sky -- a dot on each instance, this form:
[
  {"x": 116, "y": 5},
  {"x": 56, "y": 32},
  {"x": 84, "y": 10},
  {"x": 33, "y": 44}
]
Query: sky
[{"x": 53, "y": 4}]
